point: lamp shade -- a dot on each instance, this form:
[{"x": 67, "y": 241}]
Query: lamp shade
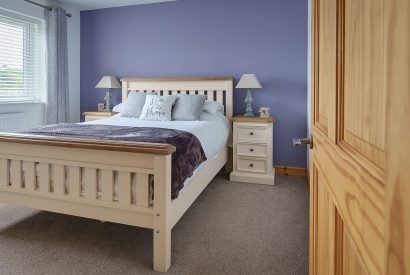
[
  {"x": 108, "y": 82},
  {"x": 249, "y": 81}
]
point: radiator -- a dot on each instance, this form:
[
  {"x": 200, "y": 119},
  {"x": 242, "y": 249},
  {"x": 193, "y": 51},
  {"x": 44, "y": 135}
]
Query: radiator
[{"x": 12, "y": 122}]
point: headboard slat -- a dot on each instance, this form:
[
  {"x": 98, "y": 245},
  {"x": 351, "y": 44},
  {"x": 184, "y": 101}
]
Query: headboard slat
[{"x": 220, "y": 96}]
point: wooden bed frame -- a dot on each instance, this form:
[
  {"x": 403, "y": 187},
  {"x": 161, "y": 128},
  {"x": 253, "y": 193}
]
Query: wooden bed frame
[{"x": 28, "y": 165}]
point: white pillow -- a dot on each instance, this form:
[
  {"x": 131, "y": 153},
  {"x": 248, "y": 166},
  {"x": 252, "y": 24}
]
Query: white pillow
[
  {"x": 213, "y": 107},
  {"x": 158, "y": 107},
  {"x": 118, "y": 108}
]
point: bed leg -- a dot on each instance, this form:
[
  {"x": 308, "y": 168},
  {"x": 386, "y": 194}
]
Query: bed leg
[
  {"x": 162, "y": 204},
  {"x": 162, "y": 250}
]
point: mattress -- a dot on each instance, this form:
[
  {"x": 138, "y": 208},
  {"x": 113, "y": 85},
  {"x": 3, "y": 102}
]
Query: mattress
[{"x": 212, "y": 130}]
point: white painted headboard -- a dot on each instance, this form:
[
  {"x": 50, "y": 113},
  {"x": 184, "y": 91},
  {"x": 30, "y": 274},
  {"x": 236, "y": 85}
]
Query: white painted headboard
[{"x": 218, "y": 89}]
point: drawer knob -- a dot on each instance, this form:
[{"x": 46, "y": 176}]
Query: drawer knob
[
  {"x": 251, "y": 133},
  {"x": 251, "y": 165},
  {"x": 251, "y": 150}
]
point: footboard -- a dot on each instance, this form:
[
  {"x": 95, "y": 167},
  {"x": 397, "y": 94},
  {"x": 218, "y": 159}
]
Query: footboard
[{"x": 104, "y": 180}]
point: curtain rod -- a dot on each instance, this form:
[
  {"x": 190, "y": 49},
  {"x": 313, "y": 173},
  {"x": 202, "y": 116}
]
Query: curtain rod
[{"x": 45, "y": 7}]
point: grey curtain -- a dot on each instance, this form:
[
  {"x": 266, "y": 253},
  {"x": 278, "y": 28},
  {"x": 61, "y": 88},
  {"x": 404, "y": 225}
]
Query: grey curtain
[{"x": 57, "y": 66}]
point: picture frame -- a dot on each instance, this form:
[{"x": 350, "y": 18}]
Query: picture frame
[
  {"x": 100, "y": 107},
  {"x": 264, "y": 112}
]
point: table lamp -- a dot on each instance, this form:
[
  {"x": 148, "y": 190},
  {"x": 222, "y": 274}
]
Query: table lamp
[
  {"x": 248, "y": 81},
  {"x": 108, "y": 82}
]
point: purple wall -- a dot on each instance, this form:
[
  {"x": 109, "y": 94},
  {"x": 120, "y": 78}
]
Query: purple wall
[{"x": 206, "y": 38}]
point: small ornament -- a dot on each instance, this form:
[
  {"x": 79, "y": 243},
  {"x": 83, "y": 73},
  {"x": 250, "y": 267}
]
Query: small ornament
[{"x": 264, "y": 112}]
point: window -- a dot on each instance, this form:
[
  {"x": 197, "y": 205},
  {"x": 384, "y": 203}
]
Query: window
[{"x": 21, "y": 58}]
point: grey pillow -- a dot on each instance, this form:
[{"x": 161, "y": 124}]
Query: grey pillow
[
  {"x": 132, "y": 107},
  {"x": 188, "y": 107},
  {"x": 158, "y": 107}
]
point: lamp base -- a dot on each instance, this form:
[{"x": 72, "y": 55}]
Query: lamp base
[
  {"x": 248, "y": 101},
  {"x": 108, "y": 104}
]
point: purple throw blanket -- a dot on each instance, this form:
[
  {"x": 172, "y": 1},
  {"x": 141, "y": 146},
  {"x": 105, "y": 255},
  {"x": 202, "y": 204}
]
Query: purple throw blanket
[{"x": 188, "y": 156}]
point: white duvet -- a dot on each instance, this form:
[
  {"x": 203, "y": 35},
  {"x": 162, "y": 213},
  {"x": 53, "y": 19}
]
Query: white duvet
[{"x": 212, "y": 130}]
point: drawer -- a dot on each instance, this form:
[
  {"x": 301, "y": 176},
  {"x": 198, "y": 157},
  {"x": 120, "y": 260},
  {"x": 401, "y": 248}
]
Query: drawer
[
  {"x": 252, "y": 150},
  {"x": 251, "y": 165},
  {"x": 252, "y": 133}
]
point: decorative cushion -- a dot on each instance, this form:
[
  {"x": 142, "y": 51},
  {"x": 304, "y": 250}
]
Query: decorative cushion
[
  {"x": 158, "y": 107},
  {"x": 133, "y": 105},
  {"x": 213, "y": 107},
  {"x": 188, "y": 107}
]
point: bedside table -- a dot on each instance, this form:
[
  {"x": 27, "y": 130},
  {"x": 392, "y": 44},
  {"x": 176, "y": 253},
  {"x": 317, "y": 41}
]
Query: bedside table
[
  {"x": 90, "y": 116},
  {"x": 252, "y": 150}
]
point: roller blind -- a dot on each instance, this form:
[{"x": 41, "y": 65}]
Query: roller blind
[{"x": 21, "y": 59}]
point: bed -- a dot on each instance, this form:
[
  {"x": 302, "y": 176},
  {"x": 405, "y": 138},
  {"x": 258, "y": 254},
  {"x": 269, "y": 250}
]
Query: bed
[{"x": 112, "y": 180}]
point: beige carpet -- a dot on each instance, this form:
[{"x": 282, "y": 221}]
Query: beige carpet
[{"x": 232, "y": 228}]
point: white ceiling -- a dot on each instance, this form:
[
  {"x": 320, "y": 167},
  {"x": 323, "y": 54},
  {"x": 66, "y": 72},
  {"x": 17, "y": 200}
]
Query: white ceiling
[{"x": 101, "y": 4}]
